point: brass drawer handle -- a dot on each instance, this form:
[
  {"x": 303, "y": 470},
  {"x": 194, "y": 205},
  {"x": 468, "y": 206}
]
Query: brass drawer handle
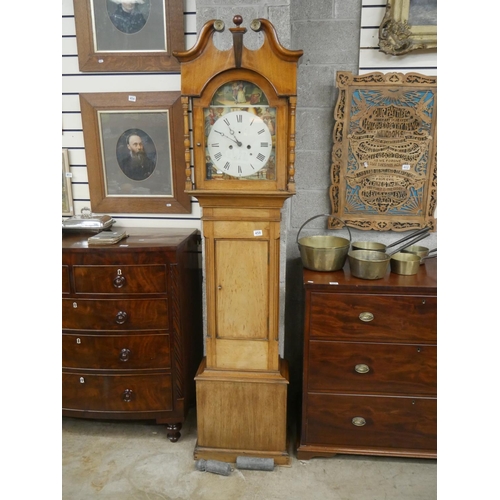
[
  {"x": 358, "y": 421},
  {"x": 362, "y": 368},
  {"x": 366, "y": 317},
  {"x": 125, "y": 354},
  {"x": 119, "y": 281},
  {"x": 127, "y": 395},
  {"x": 121, "y": 317}
]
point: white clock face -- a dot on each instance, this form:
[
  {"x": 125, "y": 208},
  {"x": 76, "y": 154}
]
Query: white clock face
[{"x": 239, "y": 143}]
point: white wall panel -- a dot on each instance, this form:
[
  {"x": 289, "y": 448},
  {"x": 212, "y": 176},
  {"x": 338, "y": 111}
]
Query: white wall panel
[
  {"x": 68, "y": 26},
  {"x": 375, "y": 59},
  {"x": 70, "y": 102},
  {"x": 122, "y": 82},
  {"x": 190, "y": 23},
  {"x": 79, "y": 174},
  {"x": 80, "y": 191},
  {"x": 368, "y": 38},
  {"x": 77, "y": 157},
  {"x": 372, "y": 16},
  {"x": 72, "y": 121},
  {"x": 69, "y": 46}
]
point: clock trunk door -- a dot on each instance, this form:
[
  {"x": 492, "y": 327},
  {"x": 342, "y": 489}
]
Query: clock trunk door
[{"x": 242, "y": 302}]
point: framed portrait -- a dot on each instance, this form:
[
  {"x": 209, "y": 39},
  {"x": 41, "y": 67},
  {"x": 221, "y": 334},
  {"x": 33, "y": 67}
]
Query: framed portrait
[
  {"x": 134, "y": 145},
  {"x": 408, "y": 25},
  {"x": 67, "y": 194},
  {"x": 137, "y": 35}
]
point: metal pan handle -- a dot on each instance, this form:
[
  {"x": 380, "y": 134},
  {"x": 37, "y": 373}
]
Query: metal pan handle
[
  {"x": 408, "y": 236},
  {"x": 409, "y": 243},
  {"x": 324, "y": 215}
]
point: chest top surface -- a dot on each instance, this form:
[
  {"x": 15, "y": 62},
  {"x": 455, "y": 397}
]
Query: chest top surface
[
  {"x": 424, "y": 281},
  {"x": 138, "y": 238}
]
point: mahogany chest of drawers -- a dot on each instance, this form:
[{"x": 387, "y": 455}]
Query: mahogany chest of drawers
[
  {"x": 132, "y": 326},
  {"x": 369, "y": 372}
]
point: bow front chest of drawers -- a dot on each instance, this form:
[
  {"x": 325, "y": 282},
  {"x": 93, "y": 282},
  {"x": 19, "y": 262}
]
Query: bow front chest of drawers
[
  {"x": 369, "y": 375},
  {"x": 132, "y": 330}
]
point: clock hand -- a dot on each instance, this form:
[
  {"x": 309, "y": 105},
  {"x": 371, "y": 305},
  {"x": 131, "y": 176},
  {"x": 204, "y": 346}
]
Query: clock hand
[
  {"x": 232, "y": 133},
  {"x": 227, "y": 137}
]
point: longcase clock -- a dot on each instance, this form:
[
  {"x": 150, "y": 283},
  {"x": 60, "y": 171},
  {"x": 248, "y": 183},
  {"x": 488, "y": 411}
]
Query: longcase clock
[{"x": 243, "y": 106}]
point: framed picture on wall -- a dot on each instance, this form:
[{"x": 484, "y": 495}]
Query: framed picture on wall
[
  {"x": 384, "y": 153},
  {"x": 408, "y": 25},
  {"x": 134, "y": 146},
  {"x": 137, "y": 35},
  {"x": 67, "y": 194}
]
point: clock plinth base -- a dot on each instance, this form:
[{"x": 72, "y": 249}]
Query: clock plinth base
[
  {"x": 242, "y": 414},
  {"x": 282, "y": 459}
]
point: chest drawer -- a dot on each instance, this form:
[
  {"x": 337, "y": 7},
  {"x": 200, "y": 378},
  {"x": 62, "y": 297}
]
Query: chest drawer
[
  {"x": 116, "y": 352},
  {"x": 116, "y": 392},
  {"x": 110, "y": 314},
  {"x": 65, "y": 279},
  {"x": 120, "y": 279},
  {"x": 376, "y": 318},
  {"x": 382, "y": 422},
  {"x": 372, "y": 368}
]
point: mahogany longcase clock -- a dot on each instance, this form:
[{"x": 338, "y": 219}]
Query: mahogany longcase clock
[{"x": 243, "y": 105}]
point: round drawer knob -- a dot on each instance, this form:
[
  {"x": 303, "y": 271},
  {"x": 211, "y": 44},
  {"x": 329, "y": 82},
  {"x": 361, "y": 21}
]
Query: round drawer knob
[
  {"x": 127, "y": 395},
  {"x": 358, "y": 421},
  {"x": 125, "y": 354},
  {"x": 119, "y": 281},
  {"x": 362, "y": 368},
  {"x": 121, "y": 317},
  {"x": 366, "y": 316}
]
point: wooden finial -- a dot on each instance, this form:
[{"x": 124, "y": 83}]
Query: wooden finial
[{"x": 238, "y": 33}]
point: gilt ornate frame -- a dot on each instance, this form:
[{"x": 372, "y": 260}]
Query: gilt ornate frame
[
  {"x": 384, "y": 156},
  {"x": 103, "y": 47},
  {"x": 397, "y": 36}
]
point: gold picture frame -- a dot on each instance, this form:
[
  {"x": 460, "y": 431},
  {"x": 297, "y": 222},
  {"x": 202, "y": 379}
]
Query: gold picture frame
[
  {"x": 134, "y": 150},
  {"x": 110, "y": 39},
  {"x": 68, "y": 209},
  {"x": 408, "y": 25}
]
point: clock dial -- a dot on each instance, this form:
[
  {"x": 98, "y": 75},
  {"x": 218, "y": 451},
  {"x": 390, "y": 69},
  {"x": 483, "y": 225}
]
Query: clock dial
[
  {"x": 240, "y": 134},
  {"x": 239, "y": 143}
]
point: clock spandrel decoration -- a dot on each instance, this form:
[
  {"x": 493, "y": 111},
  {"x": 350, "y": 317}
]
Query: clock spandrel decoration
[{"x": 240, "y": 105}]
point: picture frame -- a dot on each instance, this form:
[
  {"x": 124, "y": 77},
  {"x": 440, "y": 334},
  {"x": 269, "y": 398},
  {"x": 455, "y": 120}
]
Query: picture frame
[
  {"x": 384, "y": 154},
  {"x": 111, "y": 39},
  {"x": 134, "y": 145},
  {"x": 408, "y": 25},
  {"x": 68, "y": 209}
]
